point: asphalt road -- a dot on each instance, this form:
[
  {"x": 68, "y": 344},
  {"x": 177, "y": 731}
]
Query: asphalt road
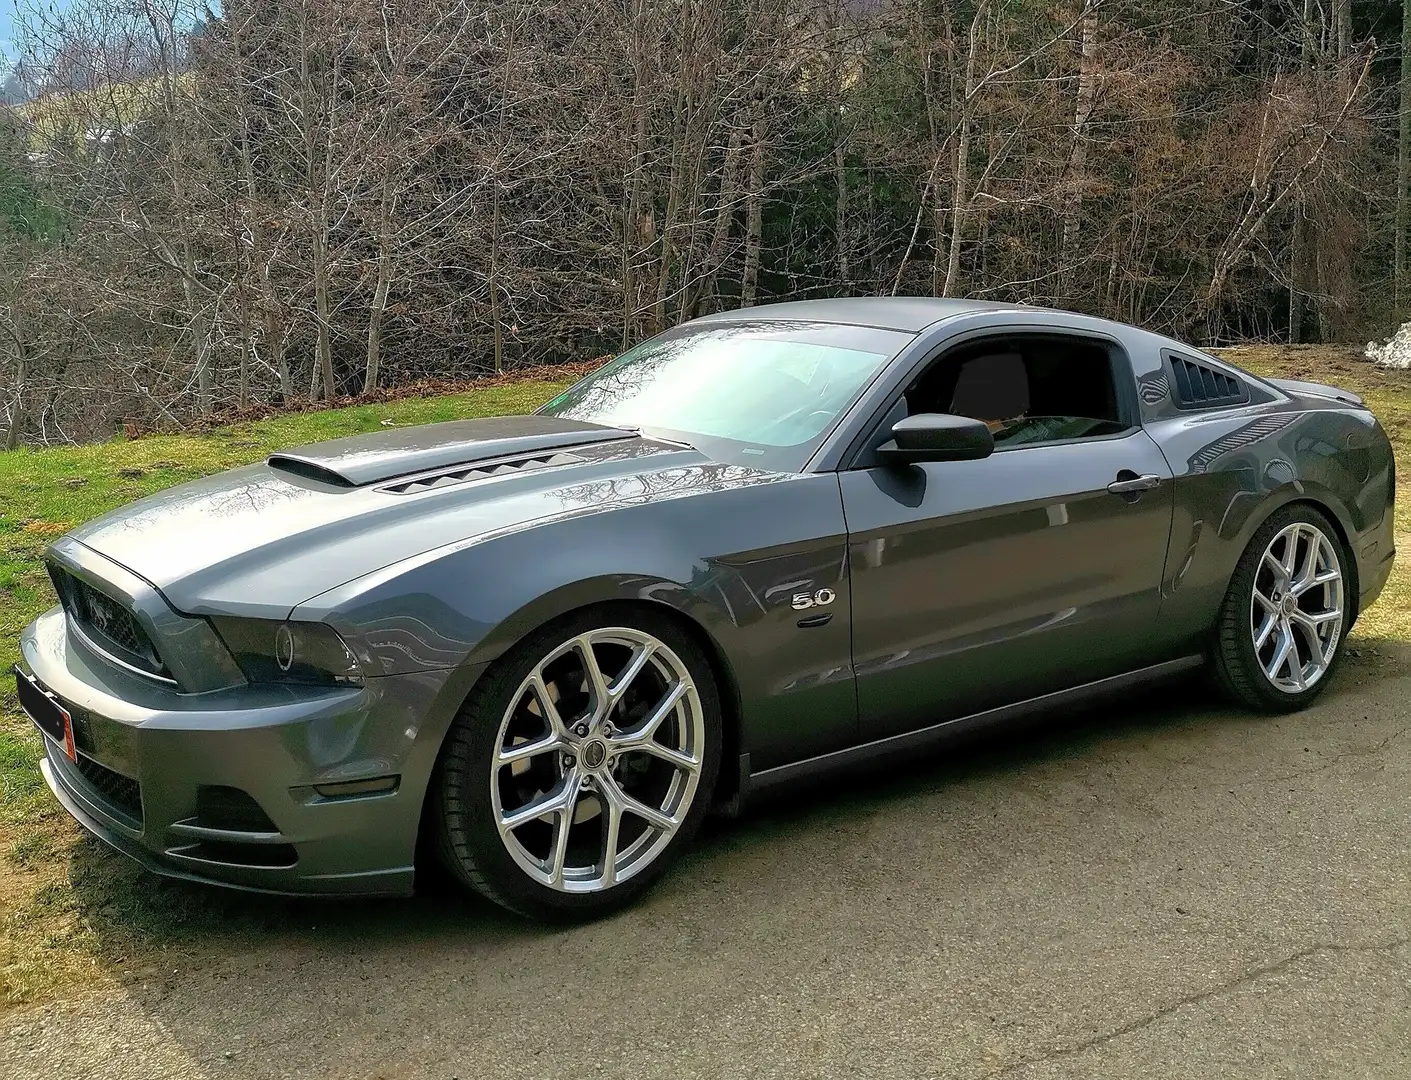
[{"x": 1164, "y": 889}]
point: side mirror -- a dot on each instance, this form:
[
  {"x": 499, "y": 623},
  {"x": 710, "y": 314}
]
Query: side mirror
[{"x": 936, "y": 437}]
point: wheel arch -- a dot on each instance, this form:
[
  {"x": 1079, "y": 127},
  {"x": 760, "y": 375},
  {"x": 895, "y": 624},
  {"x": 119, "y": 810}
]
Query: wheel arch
[
  {"x": 569, "y": 603},
  {"x": 1326, "y": 503},
  {"x": 543, "y": 613}
]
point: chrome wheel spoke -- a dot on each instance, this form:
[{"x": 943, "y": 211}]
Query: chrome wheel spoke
[
  {"x": 599, "y": 699},
  {"x": 561, "y": 800},
  {"x": 563, "y": 824},
  {"x": 1314, "y": 622},
  {"x": 548, "y": 708},
  {"x": 1281, "y": 653},
  {"x": 655, "y": 818},
  {"x": 1290, "y": 560},
  {"x": 671, "y": 757},
  {"x": 612, "y": 827},
  {"x": 1312, "y": 627},
  {"x": 1313, "y": 580},
  {"x": 1274, "y": 566},
  {"x": 1277, "y": 567},
  {"x": 640, "y": 658},
  {"x": 644, "y": 733},
  {"x": 1300, "y": 613},
  {"x": 614, "y": 798},
  {"x": 1271, "y": 621},
  {"x": 527, "y": 750}
]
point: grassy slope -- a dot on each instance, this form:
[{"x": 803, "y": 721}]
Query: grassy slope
[
  {"x": 69, "y": 911},
  {"x": 64, "y": 905}
]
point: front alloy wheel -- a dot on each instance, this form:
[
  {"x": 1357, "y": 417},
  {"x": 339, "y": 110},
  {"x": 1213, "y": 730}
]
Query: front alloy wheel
[{"x": 580, "y": 764}]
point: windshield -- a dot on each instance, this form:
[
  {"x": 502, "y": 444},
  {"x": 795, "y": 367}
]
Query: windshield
[{"x": 753, "y": 393}]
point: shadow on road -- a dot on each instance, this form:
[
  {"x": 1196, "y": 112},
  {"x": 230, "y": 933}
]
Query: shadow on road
[{"x": 146, "y": 924}]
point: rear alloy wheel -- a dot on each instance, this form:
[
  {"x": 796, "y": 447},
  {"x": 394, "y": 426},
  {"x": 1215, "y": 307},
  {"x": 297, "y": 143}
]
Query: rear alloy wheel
[
  {"x": 1282, "y": 623},
  {"x": 580, "y": 765}
]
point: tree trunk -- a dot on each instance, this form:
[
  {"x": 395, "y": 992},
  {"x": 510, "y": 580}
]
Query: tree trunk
[
  {"x": 496, "y": 323},
  {"x": 840, "y": 173},
  {"x": 200, "y": 336},
  {"x": 632, "y": 224},
  {"x": 1078, "y": 155},
  {"x": 1403, "y": 171},
  {"x": 754, "y": 216},
  {"x": 374, "y": 327},
  {"x": 666, "y": 254},
  {"x": 323, "y": 373},
  {"x": 247, "y": 332},
  {"x": 260, "y": 256},
  {"x": 274, "y": 336},
  {"x": 720, "y": 233},
  {"x": 16, "y": 428},
  {"x": 1295, "y": 261},
  {"x": 384, "y": 283},
  {"x": 960, "y": 193}
]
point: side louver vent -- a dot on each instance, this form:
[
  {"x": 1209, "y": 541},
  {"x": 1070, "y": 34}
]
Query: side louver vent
[
  {"x": 481, "y": 472},
  {"x": 1196, "y": 385}
]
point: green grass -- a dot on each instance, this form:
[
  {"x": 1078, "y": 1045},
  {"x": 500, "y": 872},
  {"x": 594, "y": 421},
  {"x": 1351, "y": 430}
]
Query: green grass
[{"x": 73, "y": 914}]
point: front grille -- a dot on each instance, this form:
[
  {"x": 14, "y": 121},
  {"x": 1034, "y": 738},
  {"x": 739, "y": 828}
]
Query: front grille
[
  {"x": 120, "y": 792},
  {"x": 107, "y": 624}
]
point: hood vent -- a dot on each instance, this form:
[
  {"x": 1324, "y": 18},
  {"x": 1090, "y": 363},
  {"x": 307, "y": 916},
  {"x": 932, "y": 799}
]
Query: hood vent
[{"x": 480, "y": 472}]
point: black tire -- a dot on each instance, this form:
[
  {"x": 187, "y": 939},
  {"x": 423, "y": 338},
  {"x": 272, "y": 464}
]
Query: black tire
[
  {"x": 468, "y": 840},
  {"x": 1234, "y": 658}
]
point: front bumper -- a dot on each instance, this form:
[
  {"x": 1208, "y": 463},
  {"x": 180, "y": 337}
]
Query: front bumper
[{"x": 149, "y": 757}]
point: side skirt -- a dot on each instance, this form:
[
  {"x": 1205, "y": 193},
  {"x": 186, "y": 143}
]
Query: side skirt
[{"x": 912, "y": 741}]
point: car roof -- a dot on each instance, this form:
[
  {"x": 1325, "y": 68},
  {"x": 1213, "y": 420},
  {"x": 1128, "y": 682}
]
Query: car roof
[{"x": 908, "y": 313}]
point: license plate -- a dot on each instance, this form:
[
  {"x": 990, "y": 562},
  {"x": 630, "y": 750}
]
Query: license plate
[{"x": 48, "y": 715}]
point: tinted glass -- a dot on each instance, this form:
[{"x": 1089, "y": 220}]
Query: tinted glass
[{"x": 762, "y": 393}]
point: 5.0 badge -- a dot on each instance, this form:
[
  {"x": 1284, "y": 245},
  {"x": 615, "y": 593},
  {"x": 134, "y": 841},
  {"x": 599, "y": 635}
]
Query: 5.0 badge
[{"x": 803, "y": 601}]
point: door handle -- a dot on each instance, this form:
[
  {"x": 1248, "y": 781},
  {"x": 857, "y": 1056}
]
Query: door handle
[{"x": 1129, "y": 483}]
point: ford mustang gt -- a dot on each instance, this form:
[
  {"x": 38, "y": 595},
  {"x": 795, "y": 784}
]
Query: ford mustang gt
[{"x": 760, "y": 545}]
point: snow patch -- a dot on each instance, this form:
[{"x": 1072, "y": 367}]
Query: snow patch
[{"x": 1396, "y": 353}]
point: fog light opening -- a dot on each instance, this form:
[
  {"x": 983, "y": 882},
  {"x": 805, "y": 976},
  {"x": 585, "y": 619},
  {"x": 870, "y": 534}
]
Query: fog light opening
[{"x": 219, "y": 807}]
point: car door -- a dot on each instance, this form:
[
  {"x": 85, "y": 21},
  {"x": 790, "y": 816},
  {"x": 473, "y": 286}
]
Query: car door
[{"x": 981, "y": 583}]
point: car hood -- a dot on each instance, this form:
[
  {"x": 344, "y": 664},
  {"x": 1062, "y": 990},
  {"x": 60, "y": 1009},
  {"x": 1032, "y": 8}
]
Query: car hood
[{"x": 259, "y": 540}]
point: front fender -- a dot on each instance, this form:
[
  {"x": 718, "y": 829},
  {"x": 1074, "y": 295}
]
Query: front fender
[{"x": 729, "y": 560}]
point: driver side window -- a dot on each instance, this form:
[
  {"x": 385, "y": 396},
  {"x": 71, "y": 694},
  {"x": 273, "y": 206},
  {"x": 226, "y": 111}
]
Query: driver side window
[{"x": 1026, "y": 389}]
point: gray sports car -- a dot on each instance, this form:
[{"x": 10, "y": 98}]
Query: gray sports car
[{"x": 763, "y": 544}]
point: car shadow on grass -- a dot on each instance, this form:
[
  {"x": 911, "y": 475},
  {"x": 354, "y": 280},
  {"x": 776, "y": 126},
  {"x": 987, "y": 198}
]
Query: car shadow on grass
[{"x": 141, "y": 926}]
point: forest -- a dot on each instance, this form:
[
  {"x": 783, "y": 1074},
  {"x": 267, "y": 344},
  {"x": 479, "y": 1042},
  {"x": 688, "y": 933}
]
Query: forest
[{"x": 290, "y": 201}]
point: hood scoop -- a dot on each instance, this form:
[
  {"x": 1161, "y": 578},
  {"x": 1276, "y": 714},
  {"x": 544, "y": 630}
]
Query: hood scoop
[{"x": 456, "y": 446}]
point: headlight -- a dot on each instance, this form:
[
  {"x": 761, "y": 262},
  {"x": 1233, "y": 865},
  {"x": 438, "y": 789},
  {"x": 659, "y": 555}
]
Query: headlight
[{"x": 306, "y": 653}]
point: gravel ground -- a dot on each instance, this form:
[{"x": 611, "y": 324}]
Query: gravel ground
[{"x": 1162, "y": 889}]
